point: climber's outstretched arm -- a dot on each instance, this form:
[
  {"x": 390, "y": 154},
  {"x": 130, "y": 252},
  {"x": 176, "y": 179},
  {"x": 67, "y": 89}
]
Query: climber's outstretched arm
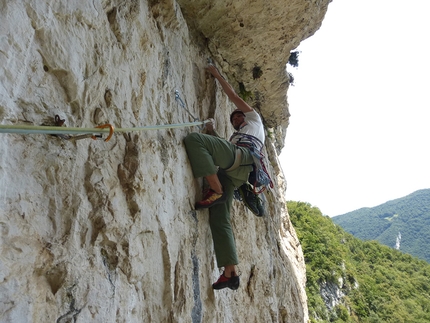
[{"x": 228, "y": 89}]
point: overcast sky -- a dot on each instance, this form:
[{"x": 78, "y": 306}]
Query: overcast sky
[{"x": 360, "y": 109}]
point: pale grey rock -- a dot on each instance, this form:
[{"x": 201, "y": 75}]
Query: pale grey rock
[
  {"x": 95, "y": 231},
  {"x": 332, "y": 293}
]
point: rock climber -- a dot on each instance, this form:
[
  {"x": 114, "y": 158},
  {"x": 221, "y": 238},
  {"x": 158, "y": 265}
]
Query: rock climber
[{"x": 225, "y": 165}]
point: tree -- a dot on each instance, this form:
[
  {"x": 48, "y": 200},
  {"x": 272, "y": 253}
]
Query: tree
[
  {"x": 291, "y": 78},
  {"x": 293, "y": 60}
]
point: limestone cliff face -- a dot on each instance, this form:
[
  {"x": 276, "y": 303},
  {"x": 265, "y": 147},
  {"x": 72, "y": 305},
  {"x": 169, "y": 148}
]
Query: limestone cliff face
[{"x": 95, "y": 231}]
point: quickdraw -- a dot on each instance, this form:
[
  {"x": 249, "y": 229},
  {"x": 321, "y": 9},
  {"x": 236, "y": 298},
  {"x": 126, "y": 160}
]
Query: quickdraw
[
  {"x": 60, "y": 122},
  {"x": 182, "y": 105}
]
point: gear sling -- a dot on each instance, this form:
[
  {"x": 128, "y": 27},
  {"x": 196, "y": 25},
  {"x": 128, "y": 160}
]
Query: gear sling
[{"x": 259, "y": 178}]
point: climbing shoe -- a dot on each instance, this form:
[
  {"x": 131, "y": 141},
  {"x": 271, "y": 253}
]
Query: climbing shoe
[
  {"x": 251, "y": 200},
  {"x": 211, "y": 198},
  {"x": 230, "y": 282},
  {"x": 260, "y": 205}
]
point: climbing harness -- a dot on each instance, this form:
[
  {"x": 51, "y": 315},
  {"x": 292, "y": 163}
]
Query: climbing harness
[
  {"x": 88, "y": 132},
  {"x": 259, "y": 177}
]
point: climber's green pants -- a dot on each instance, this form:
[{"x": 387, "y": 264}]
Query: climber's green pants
[{"x": 205, "y": 153}]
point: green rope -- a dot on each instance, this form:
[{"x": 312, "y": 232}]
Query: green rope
[{"x": 53, "y": 130}]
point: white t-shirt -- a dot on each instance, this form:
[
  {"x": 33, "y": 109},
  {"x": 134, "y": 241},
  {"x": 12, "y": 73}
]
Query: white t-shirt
[{"x": 252, "y": 126}]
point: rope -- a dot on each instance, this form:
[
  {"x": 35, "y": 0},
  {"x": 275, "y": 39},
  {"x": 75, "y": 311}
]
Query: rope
[
  {"x": 52, "y": 130},
  {"x": 60, "y": 131}
]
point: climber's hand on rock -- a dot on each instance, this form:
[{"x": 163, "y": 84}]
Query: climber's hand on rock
[
  {"x": 210, "y": 126},
  {"x": 213, "y": 70}
]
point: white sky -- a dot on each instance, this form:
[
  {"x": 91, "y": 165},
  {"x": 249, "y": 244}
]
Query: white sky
[{"x": 360, "y": 109}]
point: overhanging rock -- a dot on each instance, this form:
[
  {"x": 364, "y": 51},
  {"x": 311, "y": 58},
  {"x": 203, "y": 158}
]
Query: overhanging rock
[{"x": 251, "y": 41}]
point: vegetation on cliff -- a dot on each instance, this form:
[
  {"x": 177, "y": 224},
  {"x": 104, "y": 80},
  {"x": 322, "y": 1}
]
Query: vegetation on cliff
[{"x": 369, "y": 282}]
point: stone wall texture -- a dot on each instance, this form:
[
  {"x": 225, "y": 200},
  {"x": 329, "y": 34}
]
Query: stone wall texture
[{"x": 95, "y": 231}]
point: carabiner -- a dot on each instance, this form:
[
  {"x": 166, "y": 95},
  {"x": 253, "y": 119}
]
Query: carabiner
[{"x": 111, "y": 130}]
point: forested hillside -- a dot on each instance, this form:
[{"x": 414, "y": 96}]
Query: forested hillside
[
  {"x": 350, "y": 280},
  {"x": 402, "y": 223}
]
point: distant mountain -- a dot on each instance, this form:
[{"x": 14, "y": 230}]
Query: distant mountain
[{"x": 403, "y": 223}]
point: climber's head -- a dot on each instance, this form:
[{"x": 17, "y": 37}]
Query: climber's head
[{"x": 237, "y": 117}]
